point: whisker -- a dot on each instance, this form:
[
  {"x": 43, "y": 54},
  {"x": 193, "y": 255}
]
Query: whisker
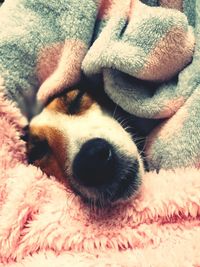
[{"x": 114, "y": 112}]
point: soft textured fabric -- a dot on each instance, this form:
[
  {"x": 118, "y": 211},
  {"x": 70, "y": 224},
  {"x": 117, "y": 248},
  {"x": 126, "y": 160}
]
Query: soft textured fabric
[
  {"x": 139, "y": 51},
  {"x": 44, "y": 224},
  {"x": 147, "y": 53}
]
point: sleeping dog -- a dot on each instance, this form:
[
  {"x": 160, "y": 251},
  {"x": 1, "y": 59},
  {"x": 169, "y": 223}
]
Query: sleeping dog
[{"x": 77, "y": 139}]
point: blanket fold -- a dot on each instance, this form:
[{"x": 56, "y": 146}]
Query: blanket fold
[
  {"x": 145, "y": 42},
  {"x": 43, "y": 44}
]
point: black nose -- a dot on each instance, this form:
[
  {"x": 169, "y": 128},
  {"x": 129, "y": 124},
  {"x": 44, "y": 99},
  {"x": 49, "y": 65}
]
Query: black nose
[{"x": 94, "y": 164}]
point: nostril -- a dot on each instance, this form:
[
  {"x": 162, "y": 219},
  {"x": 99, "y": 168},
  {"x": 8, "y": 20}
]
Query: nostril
[
  {"x": 94, "y": 164},
  {"x": 99, "y": 150}
]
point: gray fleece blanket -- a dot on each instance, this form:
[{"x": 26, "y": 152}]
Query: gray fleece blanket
[{"x": 146, "y": 52}]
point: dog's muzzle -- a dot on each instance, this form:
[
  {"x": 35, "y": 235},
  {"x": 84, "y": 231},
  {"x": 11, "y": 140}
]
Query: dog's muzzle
[{"x": 100, "y": 171}]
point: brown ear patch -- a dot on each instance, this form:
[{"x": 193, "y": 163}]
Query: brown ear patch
[
  {"x": 72, "y": 103},
  {"x": 47, "y": 149}
]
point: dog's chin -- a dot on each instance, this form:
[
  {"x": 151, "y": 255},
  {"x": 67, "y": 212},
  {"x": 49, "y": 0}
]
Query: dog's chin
[{"x": 124, "y": 187}]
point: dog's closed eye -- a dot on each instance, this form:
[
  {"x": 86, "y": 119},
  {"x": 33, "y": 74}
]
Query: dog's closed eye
[{"x": 73, "y": 103}]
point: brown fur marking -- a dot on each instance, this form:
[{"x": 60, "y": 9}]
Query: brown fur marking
[
  {"x": 62, "y": 104},
  {"x": 56, "y": 161}
]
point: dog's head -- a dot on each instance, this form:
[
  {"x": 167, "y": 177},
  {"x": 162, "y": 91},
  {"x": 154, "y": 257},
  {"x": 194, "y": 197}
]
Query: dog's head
[{"x": 81, "y": 143}]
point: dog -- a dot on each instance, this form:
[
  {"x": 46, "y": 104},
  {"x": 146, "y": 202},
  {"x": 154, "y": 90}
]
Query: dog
[{"x": 77, "y": 139}]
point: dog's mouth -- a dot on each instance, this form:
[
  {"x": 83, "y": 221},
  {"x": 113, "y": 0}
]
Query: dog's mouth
[{"x": 123, "y": 189}]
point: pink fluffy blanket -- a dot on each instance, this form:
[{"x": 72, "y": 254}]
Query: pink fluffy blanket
[{"x": 44, "y": 224}]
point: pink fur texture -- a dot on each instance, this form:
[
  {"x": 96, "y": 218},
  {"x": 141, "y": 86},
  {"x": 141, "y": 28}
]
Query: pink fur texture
[{"x": 42, "y": 223}]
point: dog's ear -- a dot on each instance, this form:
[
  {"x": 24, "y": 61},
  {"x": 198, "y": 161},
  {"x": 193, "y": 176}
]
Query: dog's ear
[{"x": 37, "y": 149}]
